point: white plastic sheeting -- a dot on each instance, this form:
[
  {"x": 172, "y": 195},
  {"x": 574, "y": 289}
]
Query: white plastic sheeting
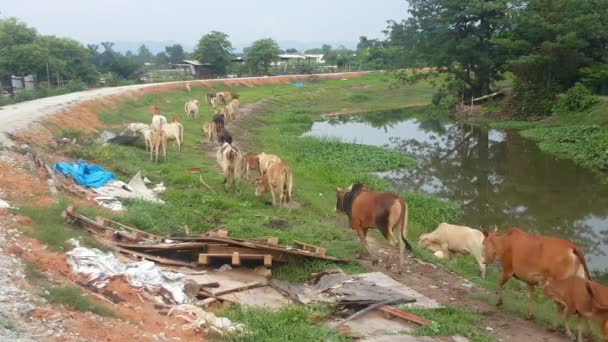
[{"x": 100, "y": 267}]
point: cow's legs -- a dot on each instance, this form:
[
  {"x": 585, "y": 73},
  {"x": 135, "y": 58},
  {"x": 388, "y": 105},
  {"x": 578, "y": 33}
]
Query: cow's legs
[
  {"x": 362, "y": 239},
  {"x": 581, "y": 327},
  {"x": 503, "y": 280},
  {"x": 274, "y": 200},
  {"x": 531, "y": 293}
]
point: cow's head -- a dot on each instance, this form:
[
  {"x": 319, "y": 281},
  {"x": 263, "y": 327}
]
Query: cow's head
[
  {"x": 425, "y": 241},
  {"x": 492, "y": 245},
  {"x": 340, "y": 193},
  {"x": 261, "y": 185}
]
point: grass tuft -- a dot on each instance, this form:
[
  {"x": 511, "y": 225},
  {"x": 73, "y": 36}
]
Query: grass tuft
[{"x": 74, "y": 298}]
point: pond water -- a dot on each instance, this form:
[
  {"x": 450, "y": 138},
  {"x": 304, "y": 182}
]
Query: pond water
[{"x": 498, "y": 177}]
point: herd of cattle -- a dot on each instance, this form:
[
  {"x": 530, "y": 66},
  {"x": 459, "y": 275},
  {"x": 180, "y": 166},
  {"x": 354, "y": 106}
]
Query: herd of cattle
[{"x": 556, "y": 264}]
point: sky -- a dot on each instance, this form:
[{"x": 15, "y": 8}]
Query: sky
[{"x": 185, "y": 21}]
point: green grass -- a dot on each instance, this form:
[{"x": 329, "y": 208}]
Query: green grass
[
  {"x": 74, "y": 298},
  {"x": 451, "y": 321},
  {"x": 34, "y": 275},
  {"x": 291, "y": 323},
  {"x": 51, "y": 229}
]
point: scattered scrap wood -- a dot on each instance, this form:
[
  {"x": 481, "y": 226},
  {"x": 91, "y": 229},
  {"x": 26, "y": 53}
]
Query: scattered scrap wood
[
  {"x": 311, "y": 248},
  {"x": 391, "y": 312},
  {"x": 157, "y": 259}
]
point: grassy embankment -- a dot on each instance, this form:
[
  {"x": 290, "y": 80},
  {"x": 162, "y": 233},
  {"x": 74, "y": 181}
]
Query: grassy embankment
[
  {"x": 319, "y": 166},
  {"x": 579, "y": 136}
]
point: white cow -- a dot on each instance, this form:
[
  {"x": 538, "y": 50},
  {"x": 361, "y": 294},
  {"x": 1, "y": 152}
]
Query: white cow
[
  {"x": 191, "y": 109},
  {"x": 148, "y": 138},
  {"x": 136, "y": 128},
  {"x": 175, "y": 131},
  {"x": 449, "y": 238},
  {"x": 158, "y": 121}
]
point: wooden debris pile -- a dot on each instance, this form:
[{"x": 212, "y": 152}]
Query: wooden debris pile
[{"x": 213, "y": 248}]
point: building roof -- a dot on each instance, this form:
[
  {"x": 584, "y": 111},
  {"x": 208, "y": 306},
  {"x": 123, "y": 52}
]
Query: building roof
[
  {"x": 300, "y": 56},
  {"x": 195, "y": 62}
]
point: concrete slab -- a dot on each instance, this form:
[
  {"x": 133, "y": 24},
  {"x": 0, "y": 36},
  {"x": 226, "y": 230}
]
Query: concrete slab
[
  {"x": 373, "y": 323},
  {"x": 384, "y": 280}
]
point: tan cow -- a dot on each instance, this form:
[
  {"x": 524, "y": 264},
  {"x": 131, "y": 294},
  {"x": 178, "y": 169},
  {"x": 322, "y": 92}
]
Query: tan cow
[
  {"x": 279, "y": 181},
  {"x": 599, "y": 303},
  {"x": 230, "y": 160},
  {"x": 192, "y": 109},
  {"x": 210, "y": 131},
  {"x": 159, "y": 141},
  {"x": 458, "y": 239},
  {"x": 265, "y": 160},
  {"x": 533, "y": 259},
  {"x": 174, "y": 131}
]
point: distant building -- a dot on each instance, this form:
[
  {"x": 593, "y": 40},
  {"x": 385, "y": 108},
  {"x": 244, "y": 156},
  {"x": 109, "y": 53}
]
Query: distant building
[
  {"x": 309, "y": 57},
  {"x": 197, "y": 69}
]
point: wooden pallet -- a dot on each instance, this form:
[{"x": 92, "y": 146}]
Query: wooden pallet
[
  {"x": 311, "y": 248},
  {"x": 235, "y": 258}
]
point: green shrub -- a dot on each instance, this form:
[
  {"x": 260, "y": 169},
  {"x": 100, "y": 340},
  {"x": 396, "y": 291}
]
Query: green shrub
[{"x": 576, "y": 99}]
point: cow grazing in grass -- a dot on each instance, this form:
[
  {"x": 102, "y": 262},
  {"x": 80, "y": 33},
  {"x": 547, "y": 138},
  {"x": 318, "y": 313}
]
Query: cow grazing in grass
[
  {"x": 278, "y": 179},
  {"x": 224, "y": 137},
  {"x": 449, "y": 238},
  {"x": 572, "y": 298},
  {"x": 533, "y": 259},
  {"x": 230, "y": 160},
  {"x": 188, "y": 89},
  {"x": 264, "y": 161},
  {"x": 191, "y": 109},
  {"x": 372, "y": 209},
  {"x": 218, "y": 120},
  {"x": 147, "y": 134},
  {"x": 159, "y": 142}
]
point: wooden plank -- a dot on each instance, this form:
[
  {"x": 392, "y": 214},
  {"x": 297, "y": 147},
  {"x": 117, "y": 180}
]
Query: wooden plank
[
  {"x": 157, "y": 259},
  {"x": 225, "y": 249},
  {"x": 247, "y": 286},
  {"x": 403, "y": 314},
  {"x": 164, "y": 246},
  {"x": 203, "y": 259},
  {"x": 236, "y": 260},
  {"x": 268, "y": 260},
  {"x": 311, "y": 248}
]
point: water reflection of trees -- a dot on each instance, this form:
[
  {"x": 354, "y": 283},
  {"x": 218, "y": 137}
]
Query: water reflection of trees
[{"x": 507, "y": 183}]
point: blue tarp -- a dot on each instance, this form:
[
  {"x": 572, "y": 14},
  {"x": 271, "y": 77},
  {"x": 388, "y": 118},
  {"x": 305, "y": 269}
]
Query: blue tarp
[
  {"x": 298, "y": 84},
  {"x": 90, "y": 176}
]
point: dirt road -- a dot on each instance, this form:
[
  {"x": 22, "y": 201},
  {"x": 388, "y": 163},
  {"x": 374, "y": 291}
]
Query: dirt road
[{"x": 21, "y": 115}]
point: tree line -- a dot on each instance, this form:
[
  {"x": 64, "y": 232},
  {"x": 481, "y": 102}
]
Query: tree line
[
  {"x": 547, "y": 46},
  {"x": 55, "y": 60}
]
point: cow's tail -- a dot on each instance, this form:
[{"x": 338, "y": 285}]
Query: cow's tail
[
  {"x": 181, "y": 133},
  {"x": 288, "y": 184},
  {"x": 403, "y": 219},
  {"x": 581, "y": 258},
  {"x": 594, "y": 297}
]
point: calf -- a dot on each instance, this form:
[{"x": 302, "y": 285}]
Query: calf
[
  {"x": 148, "y": 138},
  {"x": 264, "y": 161},
  {"x": 599, "y": 303},
  {"x": 159, "y": 141},
  {"x": 572, "y": 298},
  {"x": 209, "y": 97},
  {"x": 279, "y": 181},
  {"x": 188, "y": 89},
  {"x": 459, "y": 239},
  {"x": 252, "y": 163},
  {"x": 533, "y": 259},
  {"x": 174, "y": 131},
  {"x": 191, "y": 109}
]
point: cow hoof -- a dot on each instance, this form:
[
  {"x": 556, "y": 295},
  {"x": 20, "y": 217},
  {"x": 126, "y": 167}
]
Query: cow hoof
[{"x": 499, "y": 303}]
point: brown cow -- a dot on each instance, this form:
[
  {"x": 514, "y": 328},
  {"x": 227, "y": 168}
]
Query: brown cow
[
  {"x": 252, "y": 163},
  {"x": 278, "y": 179},
  {"x": 572, "y": 298},
  {"x": 371, "y": 209},
  {"x": 533, "y": 259}
]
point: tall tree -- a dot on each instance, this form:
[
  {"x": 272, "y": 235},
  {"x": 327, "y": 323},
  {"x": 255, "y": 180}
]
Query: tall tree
[
  {"x": 175, "y": 53},
  {"x": 551, "y": 44},
  {"x": 144, "y": 55},
  {"x": 261, "y": 54},
  {"x": 214, "y": 48},
  {"x": 457, "y": 35}
]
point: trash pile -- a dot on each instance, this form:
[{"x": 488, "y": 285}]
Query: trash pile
[
  {"x": 101, "y": 186},
  {"x": 101, "y": 267}
]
